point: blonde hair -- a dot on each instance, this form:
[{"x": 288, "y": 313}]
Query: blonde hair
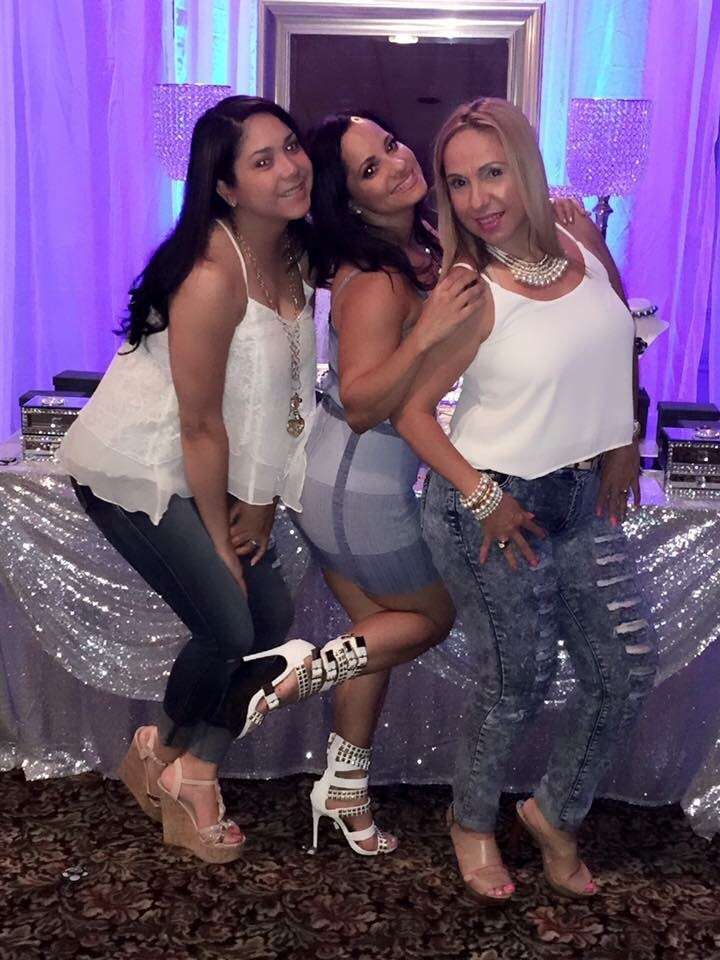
[{"x": 519, "y": 142}]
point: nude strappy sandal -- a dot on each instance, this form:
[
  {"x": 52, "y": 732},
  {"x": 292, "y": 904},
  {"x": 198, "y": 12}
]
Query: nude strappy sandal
[
  {"x": 486, "y": 867},
  {"x": 180, "y": 827},
  {"x": 559, "y": 867},
  {"x": 140, "y": 770}
]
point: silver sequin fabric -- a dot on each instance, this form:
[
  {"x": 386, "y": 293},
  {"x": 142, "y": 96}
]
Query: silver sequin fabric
[{"x": 86, "y": 648}]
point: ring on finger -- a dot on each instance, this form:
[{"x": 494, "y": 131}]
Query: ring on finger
[
  {"x": 255, "y": 543},
  {"x": 502, "y": 544}
]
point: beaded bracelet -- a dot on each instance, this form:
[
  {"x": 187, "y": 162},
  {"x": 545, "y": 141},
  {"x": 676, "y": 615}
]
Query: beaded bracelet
[
  {"x": 484, "y": 499},
  {"x": 481, "y": 491}
]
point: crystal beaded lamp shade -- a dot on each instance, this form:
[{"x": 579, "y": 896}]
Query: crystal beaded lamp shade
[
  {"x": 607, "y": 145},
  {"x": 176, "y": 107}
]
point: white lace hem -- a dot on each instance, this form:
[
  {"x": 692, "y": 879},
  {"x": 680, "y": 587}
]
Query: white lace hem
[{"x": 147, "y": 488}]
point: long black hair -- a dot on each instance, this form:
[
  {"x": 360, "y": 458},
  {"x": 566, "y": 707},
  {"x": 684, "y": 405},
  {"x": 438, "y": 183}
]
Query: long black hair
[
  {"x": 341, "y": 236},
  {"x": 213, "y": 150}
]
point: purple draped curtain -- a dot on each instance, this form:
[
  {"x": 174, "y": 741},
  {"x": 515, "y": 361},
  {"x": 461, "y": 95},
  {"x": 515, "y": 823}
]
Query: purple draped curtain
[
  {"x": 83, "y": 199},
  {"x": 673, "y": 249},
  {"x": 82, "y": 196}
]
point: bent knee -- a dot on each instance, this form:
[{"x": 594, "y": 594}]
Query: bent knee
[{"x": 441, "y": 623}]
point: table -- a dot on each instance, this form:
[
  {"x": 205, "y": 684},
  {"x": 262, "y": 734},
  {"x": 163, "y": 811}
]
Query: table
[{"x": 86, "y": 648}]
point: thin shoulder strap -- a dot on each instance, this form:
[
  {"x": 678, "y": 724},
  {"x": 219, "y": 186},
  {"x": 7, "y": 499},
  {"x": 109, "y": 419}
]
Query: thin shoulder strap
[
  {"x": 234, "y": 242},
  {"x": 584, "y": 252},
  {"x": 345, "y": 281}
]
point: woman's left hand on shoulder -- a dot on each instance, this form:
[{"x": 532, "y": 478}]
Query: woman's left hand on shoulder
[
  {"x": 250, "y": 528},
  {"x": 620, "y": 476},
  {"x": 567, "y": 210}
]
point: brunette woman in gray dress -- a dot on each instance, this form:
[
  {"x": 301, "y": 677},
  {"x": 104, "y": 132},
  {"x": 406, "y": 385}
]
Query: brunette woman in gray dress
[{"x": 360, "y": 512}]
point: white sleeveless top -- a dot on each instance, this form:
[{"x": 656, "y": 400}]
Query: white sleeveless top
[
  {"x": 552, "y": 384},
  {"x": 125, "y": 444}
]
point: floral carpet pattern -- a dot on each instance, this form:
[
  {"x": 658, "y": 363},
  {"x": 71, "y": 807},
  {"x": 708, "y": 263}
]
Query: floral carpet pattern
[{"x": 84, "y": 874}]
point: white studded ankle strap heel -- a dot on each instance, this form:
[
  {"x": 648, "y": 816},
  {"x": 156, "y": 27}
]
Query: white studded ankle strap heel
[
  {"x": 339, "y": 660},
  {"x": 346, "y": 757},
  {"x": 342, "y": 659}
]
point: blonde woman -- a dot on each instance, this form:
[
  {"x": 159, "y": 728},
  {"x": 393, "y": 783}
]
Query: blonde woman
[{"x": 526, "y": 496}]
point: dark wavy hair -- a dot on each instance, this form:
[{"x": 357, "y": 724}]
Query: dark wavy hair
[
  {"x": 341, "y": 236},
  {"x": 213, "y": 149}
]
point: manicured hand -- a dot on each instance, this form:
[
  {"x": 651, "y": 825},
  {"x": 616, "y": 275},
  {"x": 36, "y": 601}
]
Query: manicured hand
[
  {"x": 506, "y": 525},
  {"x": 566, "y": 209},
  {"x": 454, "y": 300},
  {"x": 250, "y": 528}
]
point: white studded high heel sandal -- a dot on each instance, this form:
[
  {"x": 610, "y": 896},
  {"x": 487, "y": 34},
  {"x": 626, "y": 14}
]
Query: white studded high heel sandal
[
  {"x": 345, "y": 757},
  {"x": 339, "y": 660}
]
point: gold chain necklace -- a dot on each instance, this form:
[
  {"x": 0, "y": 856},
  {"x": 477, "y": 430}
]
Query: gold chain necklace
[{"x": 295, "y": 423}]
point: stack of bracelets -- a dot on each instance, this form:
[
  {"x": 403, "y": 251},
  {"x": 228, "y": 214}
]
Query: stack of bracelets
[{"x": 484, "y": 499}]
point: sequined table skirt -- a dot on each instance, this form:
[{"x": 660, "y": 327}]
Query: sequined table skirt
[{"x": 86, "y": 648}]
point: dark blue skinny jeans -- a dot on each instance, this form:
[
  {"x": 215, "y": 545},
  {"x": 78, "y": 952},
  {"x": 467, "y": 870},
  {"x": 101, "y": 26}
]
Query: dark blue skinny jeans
[{"x": 178, "y": 560}]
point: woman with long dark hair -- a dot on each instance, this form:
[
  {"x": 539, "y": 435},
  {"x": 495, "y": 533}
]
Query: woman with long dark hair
[
  {"x": 197, "y": 428},
  {"x": 360, "y": 514}
]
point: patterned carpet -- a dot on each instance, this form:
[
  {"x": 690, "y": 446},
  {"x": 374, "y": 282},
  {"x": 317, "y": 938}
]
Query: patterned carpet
[{"x": 133, "y": 897}]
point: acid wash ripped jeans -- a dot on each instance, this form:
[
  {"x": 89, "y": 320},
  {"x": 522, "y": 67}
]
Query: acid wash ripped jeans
[{"x": 511, "y": 618}]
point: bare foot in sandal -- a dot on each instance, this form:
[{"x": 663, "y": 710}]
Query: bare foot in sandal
[
  {"x": 480, "y": 864},
  {"x": 563, "y": 868}
]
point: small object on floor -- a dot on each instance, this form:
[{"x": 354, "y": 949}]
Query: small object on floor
[{"x": 73, "y": 874}]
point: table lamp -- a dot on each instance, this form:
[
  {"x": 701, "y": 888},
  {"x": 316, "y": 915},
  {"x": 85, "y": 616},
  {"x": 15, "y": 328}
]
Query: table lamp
[{"x": 607, "y": 149}]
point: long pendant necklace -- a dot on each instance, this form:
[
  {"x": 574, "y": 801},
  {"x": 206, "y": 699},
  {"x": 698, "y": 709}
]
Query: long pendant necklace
[
  {"x": 295, "y": 422},
  {"x": 540, "y": 273}
]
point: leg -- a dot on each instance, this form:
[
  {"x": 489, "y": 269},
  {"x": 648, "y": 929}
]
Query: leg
[
  {"x": 357, "y": 704},
  {"x": 612, "y": 649},
  {"x": 396, "y": 628},
  {"x": 271, "y": 614},
  {"x": 510, "y": 619},
  {"x": 403, "y": 627},
  {"x": 178, "y": 561}
]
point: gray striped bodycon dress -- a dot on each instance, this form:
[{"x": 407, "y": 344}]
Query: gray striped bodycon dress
[{"x": 360, "y": 513}]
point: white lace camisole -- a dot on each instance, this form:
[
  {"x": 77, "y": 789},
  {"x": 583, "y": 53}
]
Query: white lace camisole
[
  {"x": 552, "y": 384},
  {"x": 125, "y": 444}
]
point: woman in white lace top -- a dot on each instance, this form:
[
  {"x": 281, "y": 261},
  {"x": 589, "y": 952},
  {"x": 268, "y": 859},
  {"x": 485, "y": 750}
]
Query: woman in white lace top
[{"x": 194, "y": 434}]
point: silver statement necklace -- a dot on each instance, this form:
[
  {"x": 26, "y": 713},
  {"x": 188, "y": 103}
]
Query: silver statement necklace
[
  {"x": 295, "y": 422},
  {"x": 533, "y": 273}
]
